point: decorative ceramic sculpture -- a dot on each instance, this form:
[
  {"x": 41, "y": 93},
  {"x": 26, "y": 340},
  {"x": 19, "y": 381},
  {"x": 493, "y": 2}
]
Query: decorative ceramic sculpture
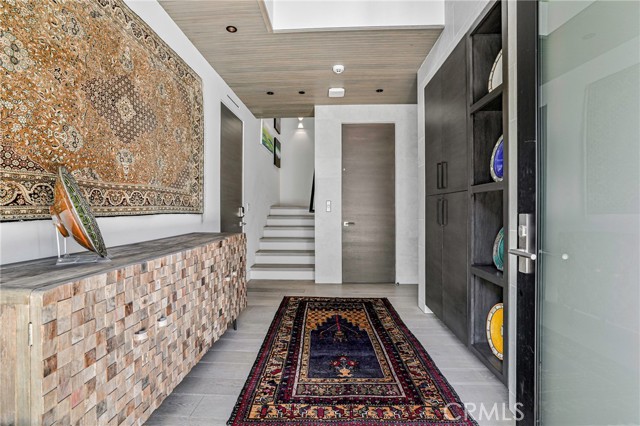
[
  {"x": 498, "y": 250},
  {"x": 497, "y": 160},
  {"x": 495, "y": 77},
  {"x": 495, "y": 330},
  {"x": 72, "y": 215}
]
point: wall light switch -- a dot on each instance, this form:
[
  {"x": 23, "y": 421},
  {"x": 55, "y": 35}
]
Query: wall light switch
[{"x": 328, "y": 205}]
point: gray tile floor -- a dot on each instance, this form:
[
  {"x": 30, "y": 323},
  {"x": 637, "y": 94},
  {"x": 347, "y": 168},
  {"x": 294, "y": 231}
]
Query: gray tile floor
[{"x": 209, "y": 392}]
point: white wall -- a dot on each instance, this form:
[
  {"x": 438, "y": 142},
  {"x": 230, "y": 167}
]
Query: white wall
[
  {"x": 296, "y": 172},
  {"x": 36, "y": 239},
  {"x": 328, "y": 166}
]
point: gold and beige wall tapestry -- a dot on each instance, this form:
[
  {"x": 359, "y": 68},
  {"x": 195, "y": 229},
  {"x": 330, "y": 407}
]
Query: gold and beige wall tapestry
[{"x": 88, "y": 85}]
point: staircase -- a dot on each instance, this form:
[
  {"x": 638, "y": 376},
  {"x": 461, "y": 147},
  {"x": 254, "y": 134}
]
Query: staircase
[{"x": 287, "y": 248}]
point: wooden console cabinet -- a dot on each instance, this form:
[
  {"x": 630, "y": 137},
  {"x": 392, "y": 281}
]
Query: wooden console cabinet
[{"x": 106, "y": 343}]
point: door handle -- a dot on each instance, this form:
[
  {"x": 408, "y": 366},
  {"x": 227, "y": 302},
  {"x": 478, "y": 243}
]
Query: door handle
[
  {"x": 445, "y": 212},
  {"x": 240, "y": 212},
  {"x": 439, "y": 176},
  {"x": 522, "y": 253},
  {"x": 347, "y": 224},
  {"x": 445, "y": 171},
  {"x": 526, "y": 248},
  {"x": 439, "y": 212}
]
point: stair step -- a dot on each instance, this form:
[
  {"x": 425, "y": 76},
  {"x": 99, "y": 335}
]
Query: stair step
[
  {"x": 286, "y": 257},
  {"x": 291, "y": 220},
  {"x": 282, "y": 272},
  {"x": 290, "y": 210},
  {"x": 289, "y": 267},
  {"x": 287, "y": 243},
  {"x": 289, "y": 231}
]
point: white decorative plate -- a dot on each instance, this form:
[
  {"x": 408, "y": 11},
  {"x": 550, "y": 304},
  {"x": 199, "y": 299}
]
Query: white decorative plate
[{"x": 495, "y": 78}]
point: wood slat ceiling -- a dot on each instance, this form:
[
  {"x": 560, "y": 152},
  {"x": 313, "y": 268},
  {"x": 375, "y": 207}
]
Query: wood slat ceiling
[{"x": 255, "y": 60}]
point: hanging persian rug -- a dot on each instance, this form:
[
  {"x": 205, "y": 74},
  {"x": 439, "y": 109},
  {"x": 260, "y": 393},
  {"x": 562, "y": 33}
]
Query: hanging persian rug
[
  {"x": 88, "y": 85},
  {"x": 344, "y": 361}
]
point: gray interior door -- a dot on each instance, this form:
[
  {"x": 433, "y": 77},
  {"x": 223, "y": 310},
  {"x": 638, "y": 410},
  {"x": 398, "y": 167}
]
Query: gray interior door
[
  {"x": 230, "y": 170},
  {"x": 368, "y": 203}
]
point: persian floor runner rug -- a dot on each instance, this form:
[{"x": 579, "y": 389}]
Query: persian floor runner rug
[{"x": 344, "y": 362}]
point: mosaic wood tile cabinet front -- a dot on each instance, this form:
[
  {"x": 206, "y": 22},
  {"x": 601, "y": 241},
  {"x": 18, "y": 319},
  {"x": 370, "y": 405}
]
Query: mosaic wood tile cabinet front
[{"x": 106, "y": 343}]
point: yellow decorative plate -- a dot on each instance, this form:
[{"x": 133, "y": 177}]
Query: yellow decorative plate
[{"x": 495, "y": 327}]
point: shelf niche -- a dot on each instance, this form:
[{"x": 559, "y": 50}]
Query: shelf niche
[
  {"x": 487, "y": 121},
  {"x": 486, "y": 295}
]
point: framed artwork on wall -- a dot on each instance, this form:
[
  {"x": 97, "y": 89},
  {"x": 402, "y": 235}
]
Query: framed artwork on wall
[
  {"x": 276, "y": 125},
  {"x": 277, "y": 153},
  {"x": 267, "y": 137}
]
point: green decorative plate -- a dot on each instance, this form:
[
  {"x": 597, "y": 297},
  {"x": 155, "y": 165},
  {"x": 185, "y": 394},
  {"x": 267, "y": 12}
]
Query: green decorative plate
[
  {"x": 498, "y": 250},
  {"x": 72, "y": 215}
]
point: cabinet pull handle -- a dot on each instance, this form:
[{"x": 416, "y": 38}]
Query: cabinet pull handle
[
  {"x": 439, "y": 211},
  {"x": 439, "y": 176},
  {"x": 162, "y": 321},
  {"x": 140, "y": 335},
  {"x": 445, "y": 212},
  {"x": 445, "y": 175}
]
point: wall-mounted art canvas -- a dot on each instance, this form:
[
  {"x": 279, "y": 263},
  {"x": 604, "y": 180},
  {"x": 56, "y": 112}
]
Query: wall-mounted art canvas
[
  {"x": 267, "y": 136},
  {"x": 89, "y": 86},
  {"x": 276, "y": 125},
  {"x": 277, "y": 153}
]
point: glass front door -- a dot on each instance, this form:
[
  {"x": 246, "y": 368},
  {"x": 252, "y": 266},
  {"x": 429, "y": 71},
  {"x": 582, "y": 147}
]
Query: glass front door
[{"x": 589, "y": 213}]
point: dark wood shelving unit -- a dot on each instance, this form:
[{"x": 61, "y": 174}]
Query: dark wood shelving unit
[
  {"x": 488, "y": 202},
  {"x": 482, "y": 351},
  {"x": 492, "y": 101},
  {"x": 487, "y": 187},
  {"x": 489, "y": 273}
]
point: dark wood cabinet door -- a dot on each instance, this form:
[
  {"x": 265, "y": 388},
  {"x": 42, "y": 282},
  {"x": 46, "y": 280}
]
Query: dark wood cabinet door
[
  {"x": 433, "y": 132},
  {"x": 454, "y": 120},
  {"x": 433, "y": 249},
  {"x": 454, "y": 263}
]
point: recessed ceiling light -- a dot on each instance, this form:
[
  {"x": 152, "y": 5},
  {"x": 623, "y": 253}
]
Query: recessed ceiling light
[
  {"x": 338, "y": 69},
  {"x": 269, "y": 93},
  {"x": 232, "y": 29},
  {"x": 380, "y": 90},
  {"x": 302, "y": 92}
]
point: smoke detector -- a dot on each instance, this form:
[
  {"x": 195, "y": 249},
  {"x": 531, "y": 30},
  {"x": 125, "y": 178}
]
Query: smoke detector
[
  {"x": 336, "y": 92},
  {"x": 338, "y": 69}
]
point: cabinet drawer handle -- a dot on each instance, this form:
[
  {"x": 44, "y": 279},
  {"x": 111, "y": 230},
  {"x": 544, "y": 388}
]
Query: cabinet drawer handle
[
  {"x": 439, "y": 176},
  {"x": 445, "y": 212},
  {"x": 163, "y": 321},
  {"x": 445, "y": 172},
  {"x": 141, "y": 335},
  {"x": 439, "y": 212}
]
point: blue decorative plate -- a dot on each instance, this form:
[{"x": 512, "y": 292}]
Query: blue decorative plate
[
  {"x": 498, "y": 250},
  {"x": 497, "y": 160}
]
